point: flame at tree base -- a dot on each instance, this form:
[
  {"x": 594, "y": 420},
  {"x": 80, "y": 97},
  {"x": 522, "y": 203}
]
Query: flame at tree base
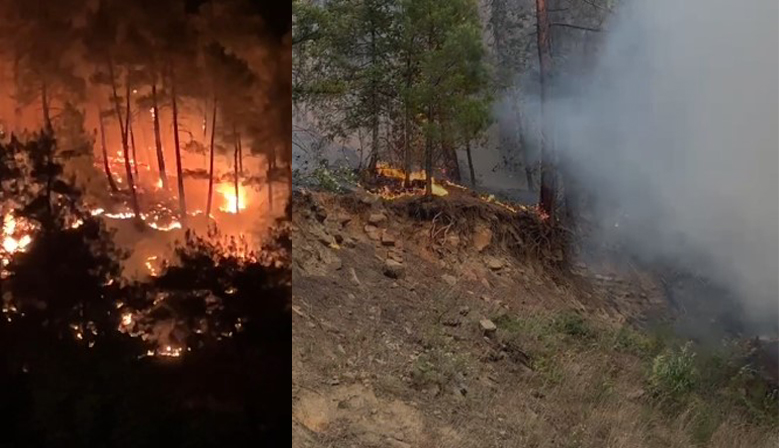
[{"x": 417, "y": 177}]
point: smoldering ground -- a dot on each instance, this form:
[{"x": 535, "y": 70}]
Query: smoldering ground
[{"x": 676, "y": 128}]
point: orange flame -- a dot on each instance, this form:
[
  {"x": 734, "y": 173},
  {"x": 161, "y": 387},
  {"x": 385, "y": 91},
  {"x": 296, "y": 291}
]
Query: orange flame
[
  {"x": 395, "y": 173},
  {"x": 231, "y": 203}
]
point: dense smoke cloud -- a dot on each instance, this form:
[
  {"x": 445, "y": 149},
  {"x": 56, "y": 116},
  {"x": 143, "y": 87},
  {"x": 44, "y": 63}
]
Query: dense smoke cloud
[{"x": 678, "y": 125}]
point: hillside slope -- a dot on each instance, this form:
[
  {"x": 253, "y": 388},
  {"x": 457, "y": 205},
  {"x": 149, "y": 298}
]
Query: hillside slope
[{"x": 447, "y": 322}]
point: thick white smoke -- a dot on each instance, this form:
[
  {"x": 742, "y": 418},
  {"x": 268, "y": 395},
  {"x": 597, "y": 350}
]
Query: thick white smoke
[{"x": 679, "y": 125}]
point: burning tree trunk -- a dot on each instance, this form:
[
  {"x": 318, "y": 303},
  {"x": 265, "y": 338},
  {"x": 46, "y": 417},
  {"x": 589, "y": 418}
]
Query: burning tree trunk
[
  {"x": 158, "y": 138},
  {"x": 182, "y": 199},
  {"x": 106, "y": 166},
  {"x": 211, "y": 163},
  {"x": 548, "y": 175},
  {"x": 470, "y": 164}
]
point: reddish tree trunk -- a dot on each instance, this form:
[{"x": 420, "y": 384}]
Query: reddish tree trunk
[{"x": 548, "y": 175}]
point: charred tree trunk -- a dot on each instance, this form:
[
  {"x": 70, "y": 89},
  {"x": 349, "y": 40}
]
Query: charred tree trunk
[
  {"x": 240, "y": 157},
  {"x": 429, "y": 156},
  {"x": 106, "y": 166},
  {"x": 127, "y": 166},
  {"x": 211, "y": 164},
  {"x": 470, "y": 164},
  {"x": 179, "y": 173},
  {"x": 158, "y": 137},
  {"x": 135, "y": 154},
  {"x": 237, "y": 169},
  {"x": 453, "y": 164},
  {"x": 527, "y": 161},
  {"x": 124, "y": 126},
  {"x": 548, "y": 175}
]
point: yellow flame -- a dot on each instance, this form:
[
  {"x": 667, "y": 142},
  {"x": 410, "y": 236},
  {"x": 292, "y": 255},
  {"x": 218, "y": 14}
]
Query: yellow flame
[
  {"x": 395, "y": 173},
  {"x": 11, "y": 242},
  {"x": 231, "y": 204}
]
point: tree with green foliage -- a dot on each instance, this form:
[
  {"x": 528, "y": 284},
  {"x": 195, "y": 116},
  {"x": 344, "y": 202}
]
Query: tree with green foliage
[{"x": 452, "y": 67}]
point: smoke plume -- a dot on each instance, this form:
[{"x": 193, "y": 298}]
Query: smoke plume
[{"x": 677, "y": 124}]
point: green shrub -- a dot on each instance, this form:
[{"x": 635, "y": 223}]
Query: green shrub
[{"x": 674, "y": 374}]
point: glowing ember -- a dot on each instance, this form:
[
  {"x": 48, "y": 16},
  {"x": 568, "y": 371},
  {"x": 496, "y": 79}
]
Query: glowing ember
[
  {"x": 174, "y": 352},
  {"x": 127, "y": 319},
  {"x": 150, "y": 265},
  {"x": 231, "y": 204},
  {"x": 14, "y": 236}
]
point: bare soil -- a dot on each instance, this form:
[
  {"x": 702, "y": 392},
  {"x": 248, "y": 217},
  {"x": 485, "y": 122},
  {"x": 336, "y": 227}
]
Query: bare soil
[{"x": 391, "y": 347}]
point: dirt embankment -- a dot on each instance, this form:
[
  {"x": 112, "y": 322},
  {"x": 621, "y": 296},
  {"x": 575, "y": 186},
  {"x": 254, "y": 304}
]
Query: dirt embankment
[{"x": 451, "y": 322}]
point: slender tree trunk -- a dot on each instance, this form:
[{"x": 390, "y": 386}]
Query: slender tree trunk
[
  {"x": 470, "y": 163},
  {"x": 548, "y": 175},
  {"x": 106, "y": 166},
  {"x": 127, "y": 166},
  {"x": 135, "y": 155},
  {"x": 211, "y": 164},
  {"x": 406, "y": 151},
  {"x": 117, "y": 107},
  {"x": 407, "y": 129},
  {"x": 240, "y": 157},
  {"x": 179, "y": 173},
  {"x": 124, "y": 126},
  {"x": 429, "y": 155},
  {"x": 158, "y": 137},
  {"x": 237, "y": 178},
  {"x": 45, "y": 104},
  {"x": 205, "y": 118},
  {"x": 374, "y": 105},
  {"x": 454, "y": 162}
]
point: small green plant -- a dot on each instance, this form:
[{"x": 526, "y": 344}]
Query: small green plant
[
  {"x": 573, "y": 324},
  {"x": 674, "y": 374},
  {"x": 629, "y": 340},
  {"x": 509, "y": 324}
]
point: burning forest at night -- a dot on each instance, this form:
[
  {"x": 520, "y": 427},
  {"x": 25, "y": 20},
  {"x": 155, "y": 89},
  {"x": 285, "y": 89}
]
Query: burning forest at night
[{"x": 144, "y": 247}]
